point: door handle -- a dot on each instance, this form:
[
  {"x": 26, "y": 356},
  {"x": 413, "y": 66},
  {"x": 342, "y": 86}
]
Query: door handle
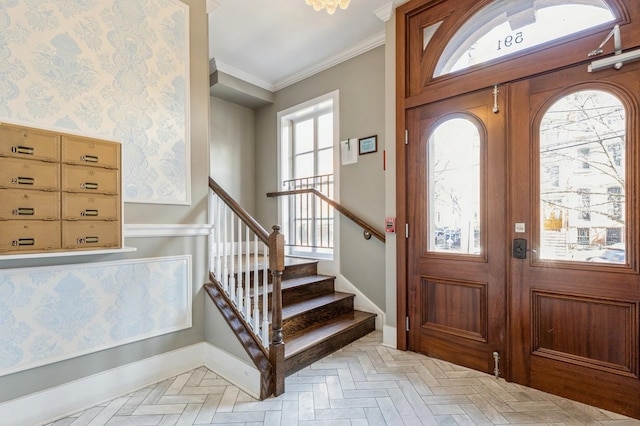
[{"x": 519, "y": 250}]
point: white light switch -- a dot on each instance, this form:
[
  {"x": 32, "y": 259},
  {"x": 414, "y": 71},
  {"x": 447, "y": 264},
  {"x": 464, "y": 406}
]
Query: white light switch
[{"x": 520, "y": 228}]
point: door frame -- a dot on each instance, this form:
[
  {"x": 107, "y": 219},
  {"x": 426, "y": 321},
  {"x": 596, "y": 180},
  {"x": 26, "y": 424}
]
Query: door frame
[{"x": 413, "y": 89}]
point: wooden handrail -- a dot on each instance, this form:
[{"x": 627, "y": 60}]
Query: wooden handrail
[
  {"x": 262, "y": 234},
  {"x": 338, "y": 207}
]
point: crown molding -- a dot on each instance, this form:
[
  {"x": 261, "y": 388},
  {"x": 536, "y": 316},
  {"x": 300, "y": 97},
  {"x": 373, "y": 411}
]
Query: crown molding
[
  {"x": 234, "y": 72},
  {"x": 212, "y": 5},
  {"x": 365, "y": 46},
  {"x": 384, "y": 13}
]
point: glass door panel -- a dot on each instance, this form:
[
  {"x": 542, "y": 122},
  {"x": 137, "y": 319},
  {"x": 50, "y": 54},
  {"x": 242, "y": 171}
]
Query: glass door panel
[
  {"x": 582, "y": 179},
  {"x": 454, "y": 187}
]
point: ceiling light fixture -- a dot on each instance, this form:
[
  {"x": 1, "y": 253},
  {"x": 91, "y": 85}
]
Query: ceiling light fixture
[{"x": 330, "y": 5}]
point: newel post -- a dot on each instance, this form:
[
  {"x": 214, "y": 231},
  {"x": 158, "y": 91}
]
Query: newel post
[{"x": 276, "y": 349}]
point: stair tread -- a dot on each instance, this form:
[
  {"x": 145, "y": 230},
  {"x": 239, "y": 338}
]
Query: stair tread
[
  {"x": 311, "y": 336},
  {"x": 291, "y": 261},
  {"x": 297, "y": 308},
  {"x": 240, "y": 265},
  {"x": 294, "y": 282},
  {"x": 290, "y": 283}
]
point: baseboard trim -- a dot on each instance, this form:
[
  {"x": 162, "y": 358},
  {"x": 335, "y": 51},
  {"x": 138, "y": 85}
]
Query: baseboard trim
[
  {"x": 41, "y": 408},
  {"x": 361, "y": 302},
  {"x": 390, "y": 337},
  {"x": 233, "y": 370}
]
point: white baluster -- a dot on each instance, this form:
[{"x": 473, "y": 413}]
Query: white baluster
[
  {"x": 212, "y": 237},
  {"x": 247, "y": 277},
  {"x": 225, "y": 273},
  {"x": 256, "y": 310},
  {"x": 218, "y": 267},
  {"x": 248, "y": 302},
  {"x": 265, "y": 299},
  {"x": 239, "y": 275},
  {"x": 232, "y": 273}
]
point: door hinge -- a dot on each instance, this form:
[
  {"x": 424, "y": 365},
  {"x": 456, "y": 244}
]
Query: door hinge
[
  {"x": 406, "y": 230},
  {"x": 406, "y": 137},
  {"x": 407, "y": 324}
]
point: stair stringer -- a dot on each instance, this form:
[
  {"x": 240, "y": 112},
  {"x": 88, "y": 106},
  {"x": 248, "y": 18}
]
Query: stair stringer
[{"x": 245, "y": 336}]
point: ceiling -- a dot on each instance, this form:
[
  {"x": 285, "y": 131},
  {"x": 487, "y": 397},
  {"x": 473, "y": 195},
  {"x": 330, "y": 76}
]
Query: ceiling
[{"x": 274, "y": 43}]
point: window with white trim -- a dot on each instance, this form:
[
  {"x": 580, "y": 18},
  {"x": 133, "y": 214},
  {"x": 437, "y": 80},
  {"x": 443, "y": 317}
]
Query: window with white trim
[{"x": 307, "y": 143}]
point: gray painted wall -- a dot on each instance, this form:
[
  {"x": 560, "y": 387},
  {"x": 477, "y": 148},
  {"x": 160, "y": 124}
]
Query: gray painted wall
[
  {"x": 361, "y": 82},
  {"x": 390, "y": 176},
  {"x": 232, "y": 165},
  {"x": 36, "y": 379},
  {"x": 233, "y": 150}
]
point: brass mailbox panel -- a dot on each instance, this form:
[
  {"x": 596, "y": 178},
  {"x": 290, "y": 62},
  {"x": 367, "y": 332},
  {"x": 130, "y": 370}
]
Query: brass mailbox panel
[
  {"x": 58, "y": 192},
  {"x": 90, "y": 206},
  {"x": 89, "y": 179},
  {"x": 90, "y": 234},
  {"x": 90, "y": 152},
  {"x": 32, "y": 144},
  {"x": 18, "y": 204},
  {"x": 29, "y": 235},
  {"x": 16, "y": 173}
]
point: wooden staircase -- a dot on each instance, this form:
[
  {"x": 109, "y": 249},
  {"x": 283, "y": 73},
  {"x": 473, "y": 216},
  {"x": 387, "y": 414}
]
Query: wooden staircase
[
  {"x": 304, "y": 318},
  {"x": 316, "y": 319}
]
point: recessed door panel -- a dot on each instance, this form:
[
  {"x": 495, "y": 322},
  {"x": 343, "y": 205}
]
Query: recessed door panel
[
  {"x": 598, "y": 333},
  {"x": 446, "y": 299}
]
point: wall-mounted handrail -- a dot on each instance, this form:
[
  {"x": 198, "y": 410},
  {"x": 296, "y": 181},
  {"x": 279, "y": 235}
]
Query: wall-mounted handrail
[{"x": 338, "y": 207}]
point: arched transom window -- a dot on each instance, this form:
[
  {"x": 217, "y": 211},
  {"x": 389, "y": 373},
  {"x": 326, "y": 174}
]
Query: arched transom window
[{"x": 505, "y": 27}]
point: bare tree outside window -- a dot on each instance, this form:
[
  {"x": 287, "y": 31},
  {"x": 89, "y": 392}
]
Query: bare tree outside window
[
  {"x": 454, "y": 187},
  {"x": 582, "y": 175}
]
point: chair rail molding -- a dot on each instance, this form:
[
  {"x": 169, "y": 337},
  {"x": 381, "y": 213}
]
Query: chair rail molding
[{"x": 150, "y": 230}]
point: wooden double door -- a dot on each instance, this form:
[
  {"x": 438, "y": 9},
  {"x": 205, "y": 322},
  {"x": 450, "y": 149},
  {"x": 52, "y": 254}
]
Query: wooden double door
[{"x": 522, "y": 250}]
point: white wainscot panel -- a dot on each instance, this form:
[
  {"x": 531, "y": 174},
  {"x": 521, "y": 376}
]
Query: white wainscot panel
[{"x": 49, "y": 314}]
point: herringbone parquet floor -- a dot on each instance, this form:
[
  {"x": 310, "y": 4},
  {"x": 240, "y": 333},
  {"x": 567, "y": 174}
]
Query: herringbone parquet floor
[{"x": 363, "y": 384}]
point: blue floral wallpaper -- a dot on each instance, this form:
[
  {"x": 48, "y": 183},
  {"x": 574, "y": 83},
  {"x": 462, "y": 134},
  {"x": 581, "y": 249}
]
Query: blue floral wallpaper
[
  {"x": 49, "y": 314},
  {"x": 117, "y": 69}
]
